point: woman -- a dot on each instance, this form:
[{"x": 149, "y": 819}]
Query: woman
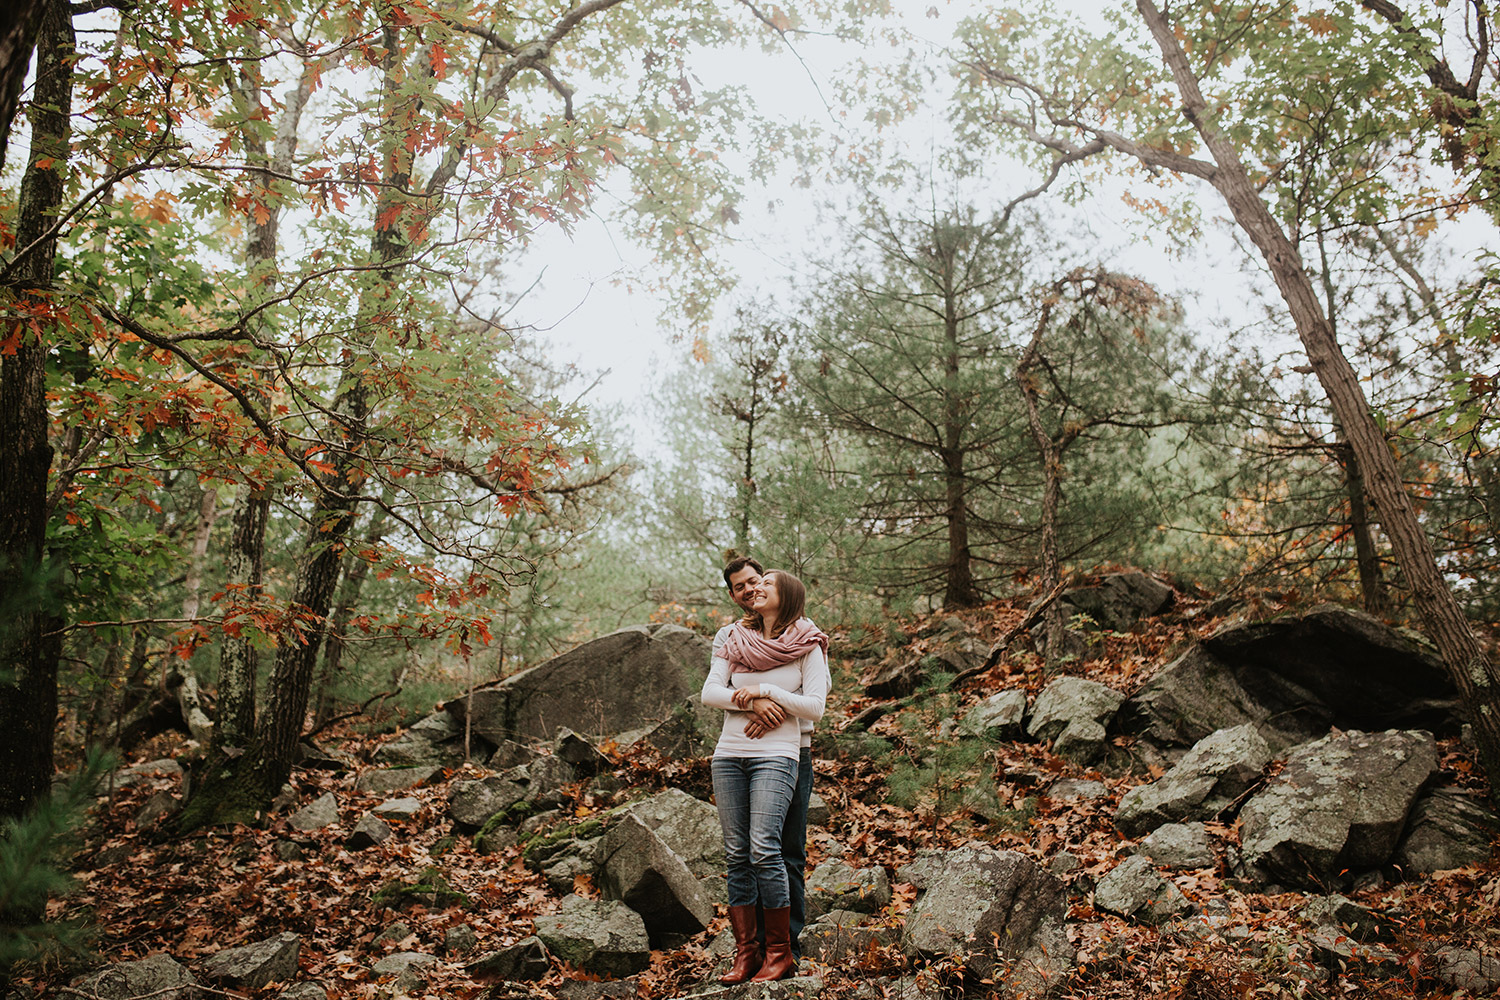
[{"x": 775, "y": 653}]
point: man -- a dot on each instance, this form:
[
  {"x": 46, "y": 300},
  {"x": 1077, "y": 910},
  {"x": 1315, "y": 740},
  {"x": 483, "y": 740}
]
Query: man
[{"x": 742, "y": 575}]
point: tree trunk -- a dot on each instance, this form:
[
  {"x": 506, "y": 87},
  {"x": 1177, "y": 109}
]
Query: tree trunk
[
  {"x": 960, "y": 590},
  {"x": 1051, "y": 458},
  {"x": 333, "y": 639},
  {"x": 1366, "y": 557},
  {"x": 1473, "y": 673},
  {"x": 238, "y": 790},
  {"x": 19, "y": 22},
  {"x": 238, "y": 661},
  {"x": 30, "y": 645}
]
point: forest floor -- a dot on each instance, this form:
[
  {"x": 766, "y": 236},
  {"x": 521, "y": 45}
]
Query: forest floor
[{"x": 891, "y": 793}]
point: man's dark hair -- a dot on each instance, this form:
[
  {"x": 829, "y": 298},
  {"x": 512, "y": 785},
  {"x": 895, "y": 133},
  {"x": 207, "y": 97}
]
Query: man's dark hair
[{"x": 738, "y": 563}]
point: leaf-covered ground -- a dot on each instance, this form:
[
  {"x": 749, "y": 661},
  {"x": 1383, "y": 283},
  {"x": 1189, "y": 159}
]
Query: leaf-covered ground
[{"x": 893, "y": 791}]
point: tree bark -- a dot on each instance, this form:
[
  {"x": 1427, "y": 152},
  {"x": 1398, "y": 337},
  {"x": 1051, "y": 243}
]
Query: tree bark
[
  {"x": 960, "y": 590},
  {"x": 333, "y": 639},
  {"x": 1051, "y": 458},
  {"x": 20, "y": 21},
  {"x": 30, "y": 645},
  {"x": 1473, "y": 673}
]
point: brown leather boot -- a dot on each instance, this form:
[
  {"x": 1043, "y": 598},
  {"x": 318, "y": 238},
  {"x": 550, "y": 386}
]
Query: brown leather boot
[
  {"x": 779, "y": 962},
  {"x": 746, "y": 948}
]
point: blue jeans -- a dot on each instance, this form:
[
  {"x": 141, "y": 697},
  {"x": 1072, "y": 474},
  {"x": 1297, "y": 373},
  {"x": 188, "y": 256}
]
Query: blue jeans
[
  {"x": 794, "y": 853},
  {"x": 753, "y": 795}
]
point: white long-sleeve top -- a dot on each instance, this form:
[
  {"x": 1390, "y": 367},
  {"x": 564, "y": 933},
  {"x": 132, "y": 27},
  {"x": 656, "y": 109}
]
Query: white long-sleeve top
[{"x": 800, "y": 687}]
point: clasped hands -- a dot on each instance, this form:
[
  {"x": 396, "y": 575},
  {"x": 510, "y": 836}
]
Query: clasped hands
[{"x": 765, "y": 714}]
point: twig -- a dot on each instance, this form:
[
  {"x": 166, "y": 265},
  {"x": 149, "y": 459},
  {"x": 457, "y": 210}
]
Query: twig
[
  {"x": 997, "y": 651},
  {"x": 352, "y": 713}
]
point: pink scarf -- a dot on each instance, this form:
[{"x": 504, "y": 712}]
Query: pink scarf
[{"x": 747, "y": 650}]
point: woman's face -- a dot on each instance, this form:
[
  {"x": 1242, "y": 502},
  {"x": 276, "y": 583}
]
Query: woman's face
[{"x": 767, "y": 600}]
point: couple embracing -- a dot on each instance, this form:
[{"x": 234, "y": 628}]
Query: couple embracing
[{"x": 770, "y": 676}]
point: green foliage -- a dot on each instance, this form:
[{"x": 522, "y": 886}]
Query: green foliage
[{"x": 34, "y": 849}]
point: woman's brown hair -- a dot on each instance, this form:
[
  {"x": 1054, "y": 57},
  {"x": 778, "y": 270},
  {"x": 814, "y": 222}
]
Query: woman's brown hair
[{"x": 793, "y": 600}]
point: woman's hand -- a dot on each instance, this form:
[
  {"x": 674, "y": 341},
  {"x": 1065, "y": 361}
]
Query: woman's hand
[
  {"x": 745, "y": 696},
  {"x": 765, "y": 716}
]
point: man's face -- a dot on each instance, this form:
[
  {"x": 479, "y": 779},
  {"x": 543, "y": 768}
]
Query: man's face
[{"x": 742, "y": 584}]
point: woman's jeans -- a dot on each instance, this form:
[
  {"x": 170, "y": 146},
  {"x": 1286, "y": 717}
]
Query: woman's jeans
[{"x": 753, "y": 794}]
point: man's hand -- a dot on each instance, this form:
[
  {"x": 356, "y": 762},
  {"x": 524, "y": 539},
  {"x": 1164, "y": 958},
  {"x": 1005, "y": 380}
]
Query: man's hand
[{"x": 745, "y": 696}]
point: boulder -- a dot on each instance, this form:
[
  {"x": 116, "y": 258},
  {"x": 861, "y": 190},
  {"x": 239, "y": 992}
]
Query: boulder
[
  {"x": 1219, "y": 768},
  {"x": 1180, "y": 845},
  {"x": 159, "y": 806},
  {"x": 900, "y": 677},
  {"x": 1118, "y": 601},
  {"x": 303, "y": 991},
  {"x": 525, "y": 961},
  {"x": 409, "y": 968},
  {"x": 577, "y": 752},
  {"x": 371, "y": 831},
  {"x": 834, "y": 885},
  {"x": 254, "y": 965},
  {"x": 996, "y": 911},
  {"x": 644, "y": 874},
  {"x": 840, "y": 935},
  {"x": 1448, "y": 828},
  {"x": 322, "y": 811},
  {"x": 818, "y": 812},
  {"x": 150, "y": 770},
  {"x": 472, "y": 803},
  {"x": 1077, "y": 788},
  {"x": 398, "y": 809},
  {"x": 1337, "y": 807},
  {"x": 603, "y": 937},
  {"x": 1073, "y": 712},
  {"x": 1001, "y": 715},
  {"x": 1135, "y": 890},
  {"x": 1294, "y": 678},
  {"x": 1473, "y": 971},
  {"x": 460, "y": 939},
  {"x": 690, "y": 731},
  {"x": 1341, "y": 914},
  {"x": 385, "y": 780},
  {"x": 688, "y": 826},
  {"x": 629, "y": 678},
  {"x": 434, "y": 741},
  {"x": 158, "y": 976}
]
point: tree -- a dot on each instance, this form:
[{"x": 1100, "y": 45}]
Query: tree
[
  {"x": 1352, "y": 65},
  {"x": 907, "y": 351}
]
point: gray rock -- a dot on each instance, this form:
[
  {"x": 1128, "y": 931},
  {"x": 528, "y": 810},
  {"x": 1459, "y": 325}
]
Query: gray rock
[
  {"x": 1073, "y": 713},
  {"x": 1341, "y": 914},
  {"x": 833, "y": 885},
  {"x": 818, "y": 813},
  {"x": 1001, "y": 715},
  {"x": 289, "y": 850},
  {"x": 1136, "y": 891},
  {"x": 150, "y": 770},
  {"x": 688, "y": 826},
  {"x": 577, "y": 752},
  {"x": 383, "y": 781},
  {"x": 1294, "y": 678},
  {"x": 1339, "y": 805},
  {"x": 1473, "y": 971},
  {"x": 434, "y": 741},
  {"x": 254, "y": 965},
  {"x": 394, "y": 933},
  {"x": 525, "y": 961},
  {"x": 1119, "y": 601},
  {"x": 1213, "y": 773},
  {"x": 158, "y": 976},
  {"x": 472, "y": 803},
  {"x": 321, "y": 812},
  {"x": 1448, "y": 828},
  {"x": 604, "y": 937},
  {"x": 690, "y": 731},
  {"x": 997, "y": 912},
  {"x": 160, "y": 805},
  {"x": 1077, "y": 788},
  {"x": 643, "y": 873},
  {"x": 303, "y": 991},
  {"x": 546, "y": 780},
  {"x": 1337, "y": 951},
  {"x": 840, "y": 935},
  {"x": 459, "y": 939},
  {"x": 371, "y": 831},
  {"x": 1180, "y": 845},
  {"x": 620, "y": 681},
  {"x": 930, "y": 864},
  {"x": 398, "y": 809},
  {"x": 400, "y": 961}
]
